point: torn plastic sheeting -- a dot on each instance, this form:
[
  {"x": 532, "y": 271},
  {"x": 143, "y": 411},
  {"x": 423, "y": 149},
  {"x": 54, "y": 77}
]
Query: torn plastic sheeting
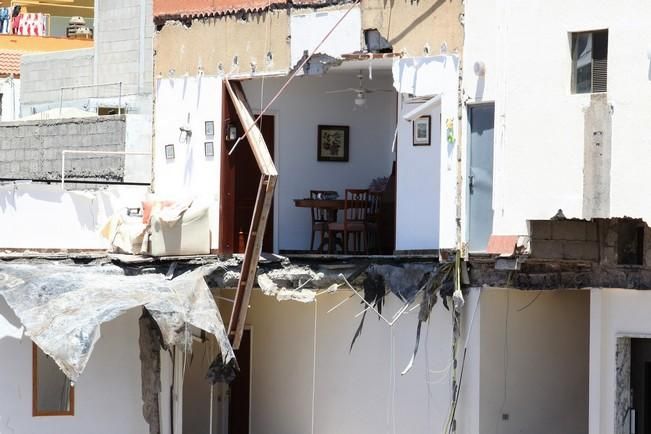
[{"x": 62, "y": 307}]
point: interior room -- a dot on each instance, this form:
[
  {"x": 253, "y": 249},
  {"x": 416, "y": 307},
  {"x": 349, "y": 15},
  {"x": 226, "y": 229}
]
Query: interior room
[{"x": 330, "y": 133}]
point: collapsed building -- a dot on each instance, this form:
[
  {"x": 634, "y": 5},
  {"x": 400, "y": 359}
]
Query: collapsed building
[{"x": 181, "y": 223}]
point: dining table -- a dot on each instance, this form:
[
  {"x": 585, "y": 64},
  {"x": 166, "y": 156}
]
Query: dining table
[{"x": 332, "y": 206}]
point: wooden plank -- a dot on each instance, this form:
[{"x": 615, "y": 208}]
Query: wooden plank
[
  {"x": 261, "y": 211},
  {"x": 251, "y": 258}
]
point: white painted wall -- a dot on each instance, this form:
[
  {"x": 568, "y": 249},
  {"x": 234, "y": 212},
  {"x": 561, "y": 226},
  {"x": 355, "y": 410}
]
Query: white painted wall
[
  {"x": 108, "y": 397},
  {"x": 138, "y": 168},
  {"x": 358, "y": 392},
  {"x": 190, "y": 174},
  {"x": 309, "y": 29},
  {"x": 426, "y": 184},
  {"x": 299, "y": 110},
  {"x": 418, "y": 197},
  {"x": 534, "y": 362},
  {"x": 539, "y": 132},
  {"x": 614, "y": 313},
  {"x": 45, "y": 217},
  {"x": 10, "y": 91}
]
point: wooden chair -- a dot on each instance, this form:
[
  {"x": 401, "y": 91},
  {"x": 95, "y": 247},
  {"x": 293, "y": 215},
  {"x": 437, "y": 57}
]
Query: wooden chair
[
  {"x": 356, "y": 204},
  {"x": 320, "y": 217},
  {"x": 373, "y": 217}
]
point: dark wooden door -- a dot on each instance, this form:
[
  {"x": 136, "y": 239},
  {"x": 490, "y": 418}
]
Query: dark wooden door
[
  {"x": 238, "y": 407},
  {"x": 240, "y": 178},
  {"x": 247, "y": 181}
]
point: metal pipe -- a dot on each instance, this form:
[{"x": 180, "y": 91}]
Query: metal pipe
[{"x": 72, "y": 151}]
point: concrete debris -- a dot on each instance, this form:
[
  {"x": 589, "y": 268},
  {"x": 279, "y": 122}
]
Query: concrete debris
[
  {"x": 404, "y": 281},
  {"x": 62, "y": 306},
  {"x": 270, "y": 287}
]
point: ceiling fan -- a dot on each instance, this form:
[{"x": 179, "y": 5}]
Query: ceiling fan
[{"x": 360, "y": 91}]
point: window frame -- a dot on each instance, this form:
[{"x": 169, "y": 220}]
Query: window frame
[
  {"x": 35, "y": 411},
  {"x": 574, "y": 58}
]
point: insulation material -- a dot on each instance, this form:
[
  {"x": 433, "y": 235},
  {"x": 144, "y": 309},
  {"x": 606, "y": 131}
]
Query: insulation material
[
  {"x": 63, "y": 306},
  {"x": 425, "y": 76}
]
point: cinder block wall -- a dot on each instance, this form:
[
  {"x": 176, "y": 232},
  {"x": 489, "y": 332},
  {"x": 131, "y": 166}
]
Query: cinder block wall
[
  {"x": 123, "y": 28},
  {"x": 43, "y": 76},
  {"x": 32, "y": 150},
  {"x": 564, "y": 239},
  {"x": 123, "y": 52}
]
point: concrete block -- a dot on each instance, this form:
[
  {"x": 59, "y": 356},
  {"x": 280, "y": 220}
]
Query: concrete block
[
  {"x": 591, "y": 231},
  {"x": 541, "y": 229},
  {"x": 585, "y": 250},
  {"x": 573, "y": 230},
  {"x": 548, "y": 249}
]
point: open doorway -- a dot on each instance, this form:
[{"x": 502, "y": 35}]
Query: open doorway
[
  {"x": 640, "y": 419},
  {"x": 240, "y": 176},
  {"x": 230, "y": 403}
]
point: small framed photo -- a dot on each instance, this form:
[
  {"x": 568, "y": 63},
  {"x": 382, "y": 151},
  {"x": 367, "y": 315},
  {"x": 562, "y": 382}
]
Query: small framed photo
[
  {"x": 422, "y": 131},
  {"x": 209, "y": 149},
  {"x": 169, "y": 152},
  {"x": 210, "y": 129},
  {"x": 332, "y": 143}
]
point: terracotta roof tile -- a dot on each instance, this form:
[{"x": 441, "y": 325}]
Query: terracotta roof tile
[
  {"x": 10, "y": 63},
  {"x": 173, "y": 9}
]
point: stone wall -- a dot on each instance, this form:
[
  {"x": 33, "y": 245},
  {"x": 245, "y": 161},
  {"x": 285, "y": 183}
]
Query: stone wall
[{"x": 32, "y": 150}]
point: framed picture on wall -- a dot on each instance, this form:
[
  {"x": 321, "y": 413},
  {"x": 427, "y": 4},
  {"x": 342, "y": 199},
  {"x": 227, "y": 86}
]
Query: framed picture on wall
[
  {"x": 210, "y": 129},
  {"x": 209, "y": 149},
  {"x": 332, "y": 143},
  {"x": 169, "y": 152},
  {"x": 422, "y": 131}
]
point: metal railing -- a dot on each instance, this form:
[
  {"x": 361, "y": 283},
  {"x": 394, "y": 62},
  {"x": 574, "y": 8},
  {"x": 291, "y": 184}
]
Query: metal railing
[{"x": 86, "y": 86}]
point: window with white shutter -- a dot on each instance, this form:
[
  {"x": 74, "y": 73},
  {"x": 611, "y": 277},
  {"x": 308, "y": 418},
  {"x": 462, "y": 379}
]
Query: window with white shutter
[{"x": 590, "y": 62}]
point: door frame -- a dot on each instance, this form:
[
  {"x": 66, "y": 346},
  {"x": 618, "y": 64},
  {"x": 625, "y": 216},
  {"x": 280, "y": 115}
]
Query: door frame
[{"x": 468, "y": 131}]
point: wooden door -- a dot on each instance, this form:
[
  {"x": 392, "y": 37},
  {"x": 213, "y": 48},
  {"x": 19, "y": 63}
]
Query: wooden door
[{"x": 240, "y": 178}]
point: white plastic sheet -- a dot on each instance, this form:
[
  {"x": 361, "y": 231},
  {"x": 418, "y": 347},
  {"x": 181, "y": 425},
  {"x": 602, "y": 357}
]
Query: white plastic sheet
[{"x": 62, "y": 306}]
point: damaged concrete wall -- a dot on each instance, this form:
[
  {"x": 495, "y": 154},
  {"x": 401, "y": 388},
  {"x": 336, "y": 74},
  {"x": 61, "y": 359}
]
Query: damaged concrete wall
[
  {"x": 416, "y": 26},
  {"x": 230, "y": 44},
  {"x": 534, "y": 361},
  {"x": 32, "y": 149},
  {"x": 108, "y": 395}
]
